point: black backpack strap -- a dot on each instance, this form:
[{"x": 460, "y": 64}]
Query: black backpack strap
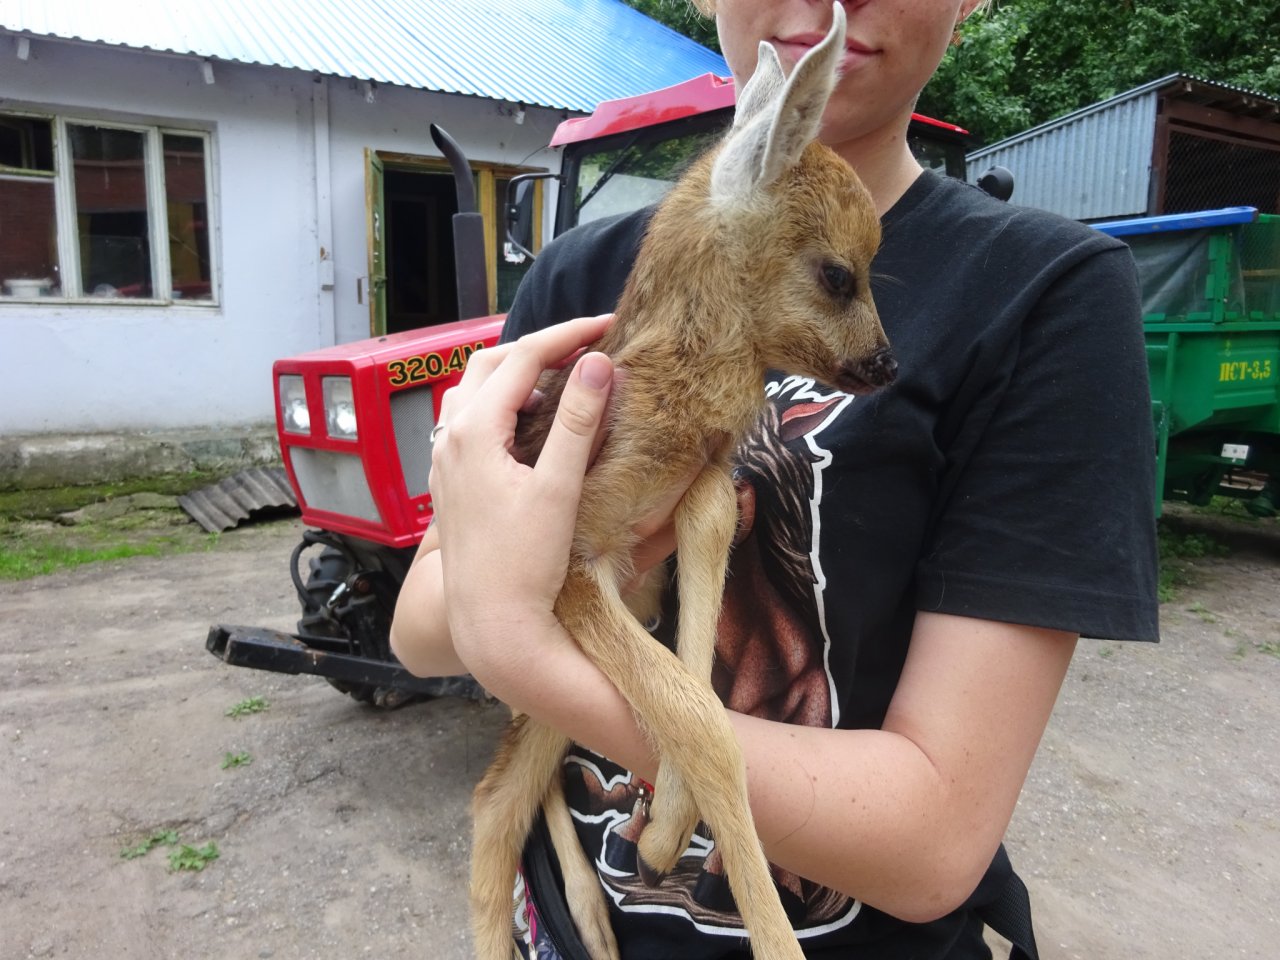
[
  {"x": 1009, "y": 914},
  {"x": 544, "y": 885}
]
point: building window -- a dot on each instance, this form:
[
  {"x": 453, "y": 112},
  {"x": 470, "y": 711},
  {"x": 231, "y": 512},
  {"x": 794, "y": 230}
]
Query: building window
[{"x": 91, "y": 210}]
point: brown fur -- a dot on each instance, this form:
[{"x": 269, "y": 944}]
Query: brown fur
[{"x": 720, "y": 293}]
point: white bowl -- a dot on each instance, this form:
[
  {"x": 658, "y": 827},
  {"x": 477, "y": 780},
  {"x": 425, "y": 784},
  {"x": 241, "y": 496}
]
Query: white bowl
[{"x": 23, "y": 287}]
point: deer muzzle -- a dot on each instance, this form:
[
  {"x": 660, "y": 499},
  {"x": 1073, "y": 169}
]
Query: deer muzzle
[{"x": 864, "y": 376}]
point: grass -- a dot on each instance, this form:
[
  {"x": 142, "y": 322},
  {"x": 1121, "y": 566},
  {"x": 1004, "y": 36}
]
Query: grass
[
  {"x": 241, "y": 759},
  {"x": 24, "y": 562},
  {"x": 248, "y": 706},
  {"x": 1177, "y": 555},
  {"x": 1203, "y": 612},
  {"x": 37, "y": 537},
  {"x": 45, "y": 504}
]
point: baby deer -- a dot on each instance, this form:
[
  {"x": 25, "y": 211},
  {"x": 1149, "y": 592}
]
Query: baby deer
[{"x": 758, "y": 259}]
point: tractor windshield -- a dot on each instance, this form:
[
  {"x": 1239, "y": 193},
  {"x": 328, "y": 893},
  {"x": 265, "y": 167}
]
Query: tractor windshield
[
  {"x": 625, "y": 171},
  {"x": 621, "y": 173}
]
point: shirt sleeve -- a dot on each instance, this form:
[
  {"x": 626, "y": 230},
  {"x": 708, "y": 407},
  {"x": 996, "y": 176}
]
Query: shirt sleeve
[{"x": 1047, "y": 516}]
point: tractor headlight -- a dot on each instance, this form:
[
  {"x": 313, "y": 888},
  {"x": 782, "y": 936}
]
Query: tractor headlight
[
  {"x": 293, "y": 405},
  {"x": 339, "y": 407}
]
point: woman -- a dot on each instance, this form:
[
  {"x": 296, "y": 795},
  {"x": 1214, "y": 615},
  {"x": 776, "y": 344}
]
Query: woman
[{"x": 914, "y": 568}]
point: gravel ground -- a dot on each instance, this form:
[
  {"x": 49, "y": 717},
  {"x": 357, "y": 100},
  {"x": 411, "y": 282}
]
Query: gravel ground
[{"x": 1149, "y": 827}]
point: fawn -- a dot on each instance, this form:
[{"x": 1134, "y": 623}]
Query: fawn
[{"x": 758, "y": 259}]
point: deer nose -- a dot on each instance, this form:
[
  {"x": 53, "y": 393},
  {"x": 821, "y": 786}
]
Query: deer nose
[
  {"x": 860, "y": 377},
  {"x": 881, "y": 368}
]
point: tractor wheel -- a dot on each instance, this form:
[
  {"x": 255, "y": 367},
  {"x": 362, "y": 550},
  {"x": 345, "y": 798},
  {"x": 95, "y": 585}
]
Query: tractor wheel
[{"x": 325, "y": 574}]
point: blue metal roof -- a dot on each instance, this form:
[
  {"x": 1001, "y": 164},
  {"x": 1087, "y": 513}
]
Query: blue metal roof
[{"x": 565, "y": 54}]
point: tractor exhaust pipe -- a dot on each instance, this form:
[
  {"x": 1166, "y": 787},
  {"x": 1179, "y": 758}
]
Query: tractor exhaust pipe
[{"x": 468, "y": 232}]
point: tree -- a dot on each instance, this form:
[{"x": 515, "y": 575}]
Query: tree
[
  {"x": 1028, "y": 61},
  {"x": 680, "y": 16}
]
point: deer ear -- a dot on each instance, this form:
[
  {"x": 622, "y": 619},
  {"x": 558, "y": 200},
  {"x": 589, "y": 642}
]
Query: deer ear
[
  {"x": 763, "y": 88},
  {"x": 778, "y": 121}
]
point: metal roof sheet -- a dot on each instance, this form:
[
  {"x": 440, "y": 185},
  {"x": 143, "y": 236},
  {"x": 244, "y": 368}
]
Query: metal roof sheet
[
  {"x": 564, "y": 54},
  {"x": 233, "y": 500}
]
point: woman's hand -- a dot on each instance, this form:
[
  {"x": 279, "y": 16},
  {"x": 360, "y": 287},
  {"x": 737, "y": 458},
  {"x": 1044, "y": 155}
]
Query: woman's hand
[{"x": 505, "y": 528}]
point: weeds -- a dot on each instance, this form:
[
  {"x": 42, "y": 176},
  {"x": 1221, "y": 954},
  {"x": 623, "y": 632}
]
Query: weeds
[
  {"x": 1203, "y": 612},
  {"x": 248, "y": 706},
  {"x": 241, "y": 759},
  {"x": 167, "y": 837},
  {"x": 188, "y": 857},
  {"x": 1177, "y": 553}
]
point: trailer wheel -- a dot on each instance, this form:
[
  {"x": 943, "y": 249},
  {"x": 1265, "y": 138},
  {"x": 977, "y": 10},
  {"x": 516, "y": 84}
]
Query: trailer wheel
[{"x": 326, "y": 573}]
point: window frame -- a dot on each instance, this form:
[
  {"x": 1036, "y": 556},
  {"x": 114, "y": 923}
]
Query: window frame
[{"x": 66, "y": 215}]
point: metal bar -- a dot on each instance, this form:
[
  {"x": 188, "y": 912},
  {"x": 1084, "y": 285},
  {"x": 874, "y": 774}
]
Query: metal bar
[{"x": 279, "y": 652}]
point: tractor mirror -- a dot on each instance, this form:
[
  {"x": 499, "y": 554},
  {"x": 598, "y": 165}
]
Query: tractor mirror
[
  {"x": 998, "y": 181},
  {"x": 519, "y": 213}
]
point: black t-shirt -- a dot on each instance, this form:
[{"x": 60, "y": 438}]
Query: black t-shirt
[{"x": 1007, "y": 474}]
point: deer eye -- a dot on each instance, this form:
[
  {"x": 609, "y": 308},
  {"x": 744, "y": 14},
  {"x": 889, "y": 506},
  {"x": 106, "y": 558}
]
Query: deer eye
[{"x": 838, "y": 281}]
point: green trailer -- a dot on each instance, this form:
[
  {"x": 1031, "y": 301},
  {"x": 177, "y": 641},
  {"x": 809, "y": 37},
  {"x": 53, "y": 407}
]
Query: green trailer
[{"x": 1211, "y": 313}]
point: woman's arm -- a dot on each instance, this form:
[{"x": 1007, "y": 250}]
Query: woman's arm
[
  {"x": 420, "y": 634},
  {"x": 420, "y": 630},
  {"x": 905, "y": 818}
]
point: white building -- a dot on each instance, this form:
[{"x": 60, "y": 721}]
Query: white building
[{"x": 186, "y": 196}]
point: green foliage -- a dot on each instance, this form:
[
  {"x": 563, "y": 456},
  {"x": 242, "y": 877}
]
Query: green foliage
[
  {"x": 1177, "y": 551},
  {"x": 241, "y": 759},
  {"x": 1028, "y": 61},
  {"x": 681, "y": 17},
  {"x": 47, "y": 502},
  {"x": 167, "y": 837},
  {"x": 248, "y": 706},
  {"x": 46, "y": 530},
  {"x": 188, "y": 857}
]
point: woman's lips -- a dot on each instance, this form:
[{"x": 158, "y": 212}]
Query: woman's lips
[{"x": 791, "y": 49}]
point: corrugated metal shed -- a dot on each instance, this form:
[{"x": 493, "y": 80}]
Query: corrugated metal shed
[
  {"x": 1097, "y": 162},
  {"x": 1092, "y": 163},
  {"x": 564, "y": 54}
]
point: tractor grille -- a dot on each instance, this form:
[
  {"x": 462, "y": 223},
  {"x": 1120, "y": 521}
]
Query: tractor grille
[
  {"x": 334, "y": 482},
  {"x": 412, "y": 419}
]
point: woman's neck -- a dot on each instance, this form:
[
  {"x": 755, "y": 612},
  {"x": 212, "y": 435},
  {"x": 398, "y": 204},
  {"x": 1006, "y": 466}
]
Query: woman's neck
[{"x": 884, "y": 163}]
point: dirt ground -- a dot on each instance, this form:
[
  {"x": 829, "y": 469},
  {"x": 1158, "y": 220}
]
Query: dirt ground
[{"x": 1149, "y": 827}]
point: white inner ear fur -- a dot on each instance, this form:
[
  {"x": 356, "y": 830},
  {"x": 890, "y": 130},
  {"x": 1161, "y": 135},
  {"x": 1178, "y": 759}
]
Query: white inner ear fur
[
  {"x": 764, "y": 87},
  {"x": 776, "y": 121}
]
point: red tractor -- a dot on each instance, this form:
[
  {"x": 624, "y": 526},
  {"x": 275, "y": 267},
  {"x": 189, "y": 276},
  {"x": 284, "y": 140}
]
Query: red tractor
[{"x": 355, "y": 420}]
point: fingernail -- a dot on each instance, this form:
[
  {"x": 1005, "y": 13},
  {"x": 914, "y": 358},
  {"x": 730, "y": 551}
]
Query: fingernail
[{"x": 595, "y": 371}]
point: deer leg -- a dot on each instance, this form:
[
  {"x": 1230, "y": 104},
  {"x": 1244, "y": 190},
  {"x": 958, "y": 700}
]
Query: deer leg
[
  {"x": 681, "y": 716},
  {"x": 581, "y": 884},
  {"x": 705, "y": 521},
  {"x": 503, "y": 809}
]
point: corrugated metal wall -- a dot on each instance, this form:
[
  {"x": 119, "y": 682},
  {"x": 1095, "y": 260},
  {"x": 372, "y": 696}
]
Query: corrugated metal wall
[{"x": 1088, "y": 165}]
